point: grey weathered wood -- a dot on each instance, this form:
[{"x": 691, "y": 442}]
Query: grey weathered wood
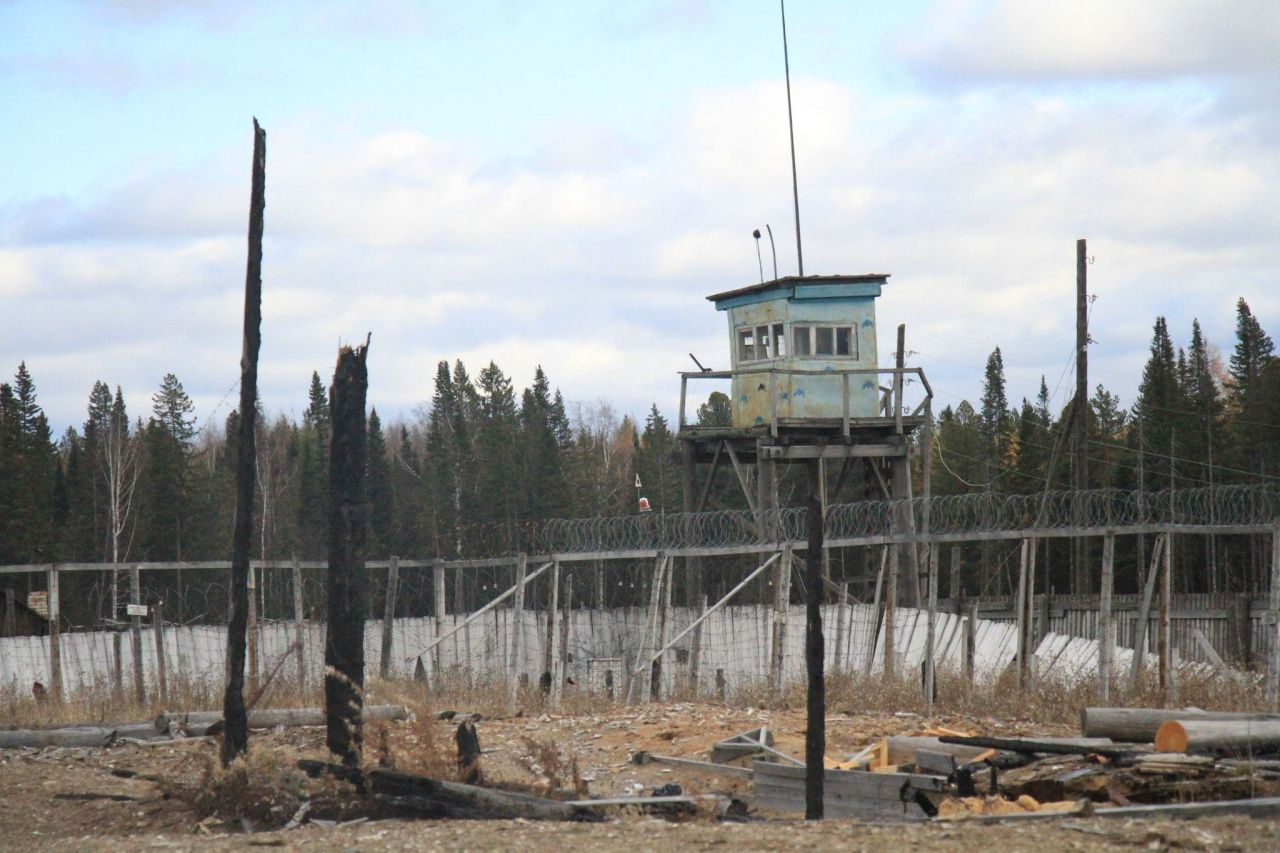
[
  {"x": 930, "y": 665},
  {"x": 1144, "y": 613},
  {"x": 439, "y": 611},
  {"x": 1260, "y": 807},
  {"x": 551, "y": 657},
  {"x": 389, "y": 616},
  {"x": 157, "y": 626},
  {"x": 1106, "y": 637},
  {"x": 55, "y": 634},
  {"x": 299, "y": 626},
  {"x": 1207, "y": 648},
  {"x": 1139, "y": 725},
  {"x": 1273, "y": 630},
  {"x": 1168, "y": 678},
  {"x": 1219, "y": 737},
  {"x": 1023, "y": 655},
  {"x": 846, "y": 793},
  {"x": 970, "y": 644},
  {"x": 251, "y": 631},
  {"x": 135, "y": 596},
  {"x": 517, "y": 635},
  {"x": 269, "y": 718},
  {"x": 781, "y": 604},
  {"x": 701, "y": 766}
]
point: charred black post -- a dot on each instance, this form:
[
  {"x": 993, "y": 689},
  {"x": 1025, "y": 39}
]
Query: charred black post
[
  {"x": 815, "y": 736},
  {"x": 235, "y": 737},
  {"x": 346, "y": 586}
]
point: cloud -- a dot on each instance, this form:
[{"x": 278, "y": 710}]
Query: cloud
[
  {"x": 1097, "y": 39},
  {"x": 595, "y": 263}
]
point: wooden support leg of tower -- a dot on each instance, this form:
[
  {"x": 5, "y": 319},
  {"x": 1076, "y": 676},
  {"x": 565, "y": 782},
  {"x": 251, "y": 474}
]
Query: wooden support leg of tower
[{"x": 1105, "y": 635}]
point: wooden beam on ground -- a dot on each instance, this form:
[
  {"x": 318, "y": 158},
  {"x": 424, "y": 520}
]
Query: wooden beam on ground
[
  {"x": 235, "y": 738},
  {"x": 1238, "y": 738},
  {"x": 1139, "y": 725}
]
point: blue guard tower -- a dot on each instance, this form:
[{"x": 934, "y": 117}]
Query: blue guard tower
[{"x": 805, "y": 384}]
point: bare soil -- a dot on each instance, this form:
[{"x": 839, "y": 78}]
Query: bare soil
[{"x": 69, "y": 799}]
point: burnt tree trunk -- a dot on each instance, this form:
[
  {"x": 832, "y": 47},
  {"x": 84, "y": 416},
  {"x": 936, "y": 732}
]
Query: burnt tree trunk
[
  {"x": 815, "y": 736},
  {"x": 235, "y": 736},
  {"x": 346, "y": 587}
]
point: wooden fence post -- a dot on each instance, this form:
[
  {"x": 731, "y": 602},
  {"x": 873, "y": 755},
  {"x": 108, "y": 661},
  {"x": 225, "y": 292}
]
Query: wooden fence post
[
  {"x": 251, "y": 628},
  {"x": 439, "y": 611},
  {"x": 970, "y": 644},
  {"x": 157, "y": 626},
  {"x": 135, "y": 597},
  {"x": 559, "y": 678},
  {"x": 117, "y": 645},
  {"x": 517, "y": 621},
  {"x": 930, "y": 665},
  {"x": 550, "y": 656},
  {"x": 1105, "y": 635},
  {"x": 890, "y": 599},
  {"x": 1273, "y": 618},
  {"x": 1166, "y": 633},
  {"x": 842, "y": 628},
  {"x": 299, "y": 626},
  {"x": 954, "y": 586},
  {"x": 1020, "y": 603},
  {"x": 389, "y": 615},
  {"x": 781, "y": 601},
  {"x": 55, "y": 635}
]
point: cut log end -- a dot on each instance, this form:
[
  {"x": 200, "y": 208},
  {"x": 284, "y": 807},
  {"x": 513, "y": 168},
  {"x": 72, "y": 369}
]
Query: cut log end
[{"x": 1171, "y": 737}]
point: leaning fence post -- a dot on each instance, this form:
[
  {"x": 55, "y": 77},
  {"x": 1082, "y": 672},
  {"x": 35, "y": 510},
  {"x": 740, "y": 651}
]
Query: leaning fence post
[
  {"x": 389, "y": 615},
  {"x": 55, "y": 636},
  {"x": 135, "y": 595},
  {"x": 299, "y": 629},
  {"x": 517, "y": 620},
  {"x": 157, "y": 627}
]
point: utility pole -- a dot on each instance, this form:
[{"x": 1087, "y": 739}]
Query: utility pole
[{"x": 1080, "y": 461}]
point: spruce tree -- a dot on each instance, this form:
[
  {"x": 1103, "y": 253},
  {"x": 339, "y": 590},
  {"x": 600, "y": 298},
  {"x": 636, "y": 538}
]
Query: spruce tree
[
  {"x": 378, "y": 488},
  {"x": 1156, "y": 404}
]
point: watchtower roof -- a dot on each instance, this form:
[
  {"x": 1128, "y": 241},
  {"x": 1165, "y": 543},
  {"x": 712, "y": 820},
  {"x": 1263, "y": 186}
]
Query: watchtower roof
[{"x": 806, "y": 287}]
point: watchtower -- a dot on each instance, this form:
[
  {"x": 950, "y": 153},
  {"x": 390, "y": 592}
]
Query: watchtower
[{"x": 805, "y": 384}]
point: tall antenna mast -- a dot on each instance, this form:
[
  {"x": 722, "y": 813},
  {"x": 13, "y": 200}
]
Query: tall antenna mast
[{"x": 795, "y": 184}]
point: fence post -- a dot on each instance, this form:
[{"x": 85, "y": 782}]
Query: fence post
[
  {"x": 10, "y": 613},
  {"x": 550, "y": 659},
  {"x": 842, "y": 627},
  {"x": 1105, "y": 636},
  {"x": 890, "y": 599},
  {"x": 252, "y": 630},
  {"x": 1273, "y": 617},
  {"x": 157, "y": 626},
  {"x": 1167, "y": 683},
  {"x": 1023, "y": 653},
  {"x": 389, "y": 615},
  {"x": 781, "y": 603},
  {"x": 135, "y": 596},
  {"x": 441, "y": 608},
  {"x": 517, "y": 618},
  {"x": 930, "y": 663},
  {"x": 970, "y": 643},
  {"x": 299, "y": 629},
  {"x": 558, "y": 680},
  {"x": 55, "y": 636},
  {"x": 117, "y": 644}
]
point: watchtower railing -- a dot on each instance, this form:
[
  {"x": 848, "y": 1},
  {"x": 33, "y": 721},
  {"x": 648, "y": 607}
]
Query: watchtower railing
[{"x": 891, "y": 397}]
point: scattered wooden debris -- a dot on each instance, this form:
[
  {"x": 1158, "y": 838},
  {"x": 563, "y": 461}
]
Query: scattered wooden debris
[
  {"x": 421, "y": 796},
  {"x": 643, "y": 757},
  {"x": 851, "y": 793}
]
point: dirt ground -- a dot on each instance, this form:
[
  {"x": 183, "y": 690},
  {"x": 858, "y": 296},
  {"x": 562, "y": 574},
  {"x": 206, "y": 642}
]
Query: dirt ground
[{"x": 69, "y": 798}]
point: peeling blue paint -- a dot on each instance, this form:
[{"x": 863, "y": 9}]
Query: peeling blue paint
[
  {"x": 742, "y": 399},
  {"x": 868, "y": 384},
  {"x": 799, "y": 392},
  {"x": 867, "y": 324},
  {"x": 759, "y": 419}
]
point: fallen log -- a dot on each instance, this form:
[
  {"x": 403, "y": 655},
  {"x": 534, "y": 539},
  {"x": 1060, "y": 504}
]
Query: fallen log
[
  {"x": 1045, "y": 746},
  {"x": 1139, "y": 725},
  {"x": 196, "y": 722},
  {"x": 438, "y": 798},
  {"x": 643, "y": 757},
  {"x": 79, "y": 736},
  {"x": 1219, "y": 737}
]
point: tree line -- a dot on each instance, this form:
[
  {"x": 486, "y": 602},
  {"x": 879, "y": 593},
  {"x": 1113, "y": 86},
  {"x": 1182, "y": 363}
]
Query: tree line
[{"x": 482, "y": 464}]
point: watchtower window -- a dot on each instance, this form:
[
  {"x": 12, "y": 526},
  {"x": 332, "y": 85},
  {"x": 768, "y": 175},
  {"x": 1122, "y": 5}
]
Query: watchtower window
[
  {"x": 761, "y": 342},
  {"x": 824, "y": 341}
]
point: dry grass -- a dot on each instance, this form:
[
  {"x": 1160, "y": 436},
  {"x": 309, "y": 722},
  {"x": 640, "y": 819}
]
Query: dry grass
[{"x": 257, "y": 788}]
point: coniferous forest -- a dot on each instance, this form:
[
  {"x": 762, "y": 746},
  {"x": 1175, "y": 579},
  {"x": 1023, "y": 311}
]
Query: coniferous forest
[{"x": 483, "y": 462}]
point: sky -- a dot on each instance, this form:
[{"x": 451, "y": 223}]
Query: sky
[{"x": 562, "y": 183}]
